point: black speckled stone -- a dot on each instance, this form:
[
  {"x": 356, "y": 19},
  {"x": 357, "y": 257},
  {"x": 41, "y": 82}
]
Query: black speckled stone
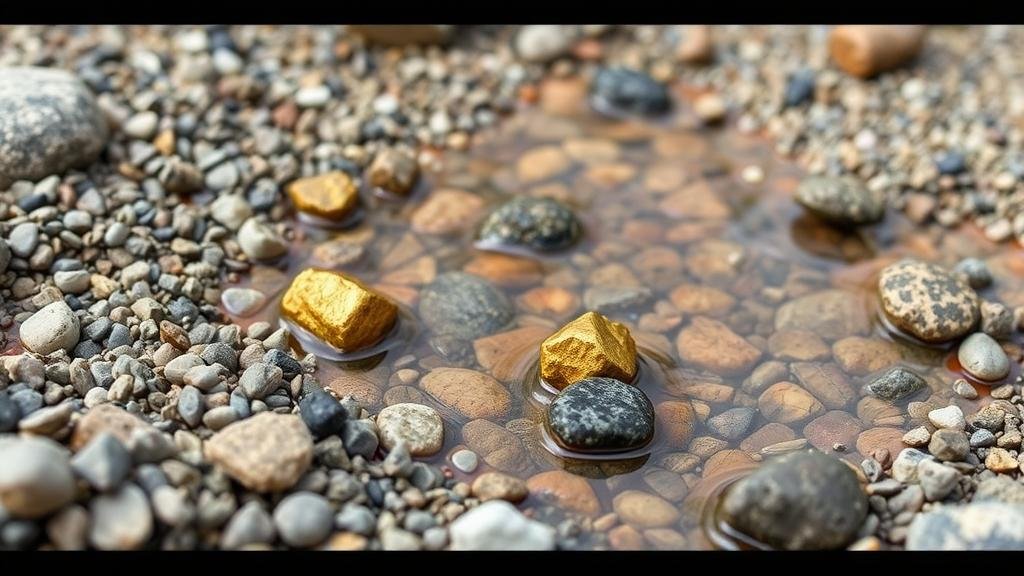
[
  {"x": 322, "y": 413},
  {"x": 620, "y": 91},
  {"x": 49, "y": 122},
  {"x": 801, "y": 501},
  {"x": 465, "y": 306},
  {"x": 540, "y": 224},
  {"x": 601, "y": 415},
  {"x": 896, "y": 383}
]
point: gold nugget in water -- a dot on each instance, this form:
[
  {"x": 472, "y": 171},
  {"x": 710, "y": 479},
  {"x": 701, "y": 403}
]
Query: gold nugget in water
[
  {"x": 331, "y": 196},
  {"x": 590, "y": 345},
  {"x": 338, "y": 309}
]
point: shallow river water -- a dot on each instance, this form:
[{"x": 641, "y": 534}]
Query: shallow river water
[{"x": 679, "y": 222}]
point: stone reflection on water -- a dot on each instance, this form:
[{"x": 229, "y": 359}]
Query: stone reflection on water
[{"x": 757, "y": 325}]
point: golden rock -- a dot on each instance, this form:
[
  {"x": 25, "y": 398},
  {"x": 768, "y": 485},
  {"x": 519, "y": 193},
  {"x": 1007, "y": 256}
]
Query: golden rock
[
  {"x": 331, "y": 196},
  {"x": 338, "y": 309},
  {"x": 590, "y": 345}
]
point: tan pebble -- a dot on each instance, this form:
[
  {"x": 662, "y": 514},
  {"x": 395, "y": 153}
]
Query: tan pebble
[{"x": 566, "y": 490}]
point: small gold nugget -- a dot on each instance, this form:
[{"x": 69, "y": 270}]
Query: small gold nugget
[
  {"x": 590, "y": 345},
  {"x": 331, "y": 196},
  {"x": 338, "y": 309}
]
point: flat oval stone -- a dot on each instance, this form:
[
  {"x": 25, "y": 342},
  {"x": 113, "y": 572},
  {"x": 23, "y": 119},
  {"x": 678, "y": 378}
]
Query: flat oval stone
[
  {"x": 540, "y": 224},
  {"x": 801, "y": 501},
  {"x": 927, "y": 302},
  {"x": 983, "y": 357},
  {"x": 601, "y": 415},
  {"x": 464, "y": 306},
  {"x": 49, "y": 122},
  {"x": 842, "y": 200}
]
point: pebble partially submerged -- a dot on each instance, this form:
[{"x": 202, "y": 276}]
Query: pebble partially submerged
[
  {"x": 843, "y": 200},
  {"x": 526, "y": 223},
  {"x": 618, "y": 91},
  {"x": 927, "y": 302},
  {"x": 601, "y": 415},
  {"x": 802, "y": 501}
]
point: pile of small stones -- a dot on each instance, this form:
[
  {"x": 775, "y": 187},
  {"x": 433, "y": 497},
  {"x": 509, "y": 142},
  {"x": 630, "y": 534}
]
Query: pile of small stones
[{"x": 141, "y": 167}]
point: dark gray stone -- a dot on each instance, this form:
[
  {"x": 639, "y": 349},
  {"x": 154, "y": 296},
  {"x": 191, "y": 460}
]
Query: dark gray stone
[
  {"x": 49, "y": 122},
  {"x": 322, "y": 413},
  {"x": 801, "y": 501},
  {"x": 191, "y": 406},
  {"x": 360, "y": 438},
  {"x": 540, "y": 224},
  {"x": 601, "y": 415},
  {"x": 621, "y": 91},
  {"x": 896, "y": 383},
  {"x": 251, "y": 524},
  {"x": 465, "y": 306},
  {"x": 842, "y": 200},
  {"x": 288, "y": 365}
]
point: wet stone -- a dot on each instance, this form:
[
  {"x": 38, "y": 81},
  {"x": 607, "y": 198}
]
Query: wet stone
[
  {"x": 465, "y": 306},
  {"x": 983, "y": 357},
  {"x": 927, "y": 302},
  {"x": 731, "y": 424},
  {"x": 540, "y": 224},
  {"x": 802, "y": 501},
  {"x": 601, "y": 414},
  {"x": 896, "y": 384},
  {"x": 617, "y": 91},
  {"x": 843, "y": 200}
]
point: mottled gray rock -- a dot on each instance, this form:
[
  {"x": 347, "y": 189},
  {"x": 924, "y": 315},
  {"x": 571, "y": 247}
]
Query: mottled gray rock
[
  {"x": 259, "y": 380},
  {"x": 801, "y": 501},
  {"x": 529, "y": 223},
  {"x": 949, "y": 445},
  {"x": 974, "y": 526},
  {"x": 843, "y": 200},
  {"x": 260, "y": 242},
  {"x": 731, "y": 424},
  {"x": 465, "y": 306},
  {"x": 975, "y": 271},
  {"x": 49, "y": 122},
  {"x": 601, "y": 414},
  {"x": 1000, "y": 488},
  {"x": 896, "y": 383},
  {"x": 937, "y": 480}
]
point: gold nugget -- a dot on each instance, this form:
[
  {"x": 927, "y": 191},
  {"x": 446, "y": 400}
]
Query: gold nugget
[
  {"x": 590, "y": 345},
  {"x": 331, "y": 196},
  {"x": 338, "y": 309}
]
